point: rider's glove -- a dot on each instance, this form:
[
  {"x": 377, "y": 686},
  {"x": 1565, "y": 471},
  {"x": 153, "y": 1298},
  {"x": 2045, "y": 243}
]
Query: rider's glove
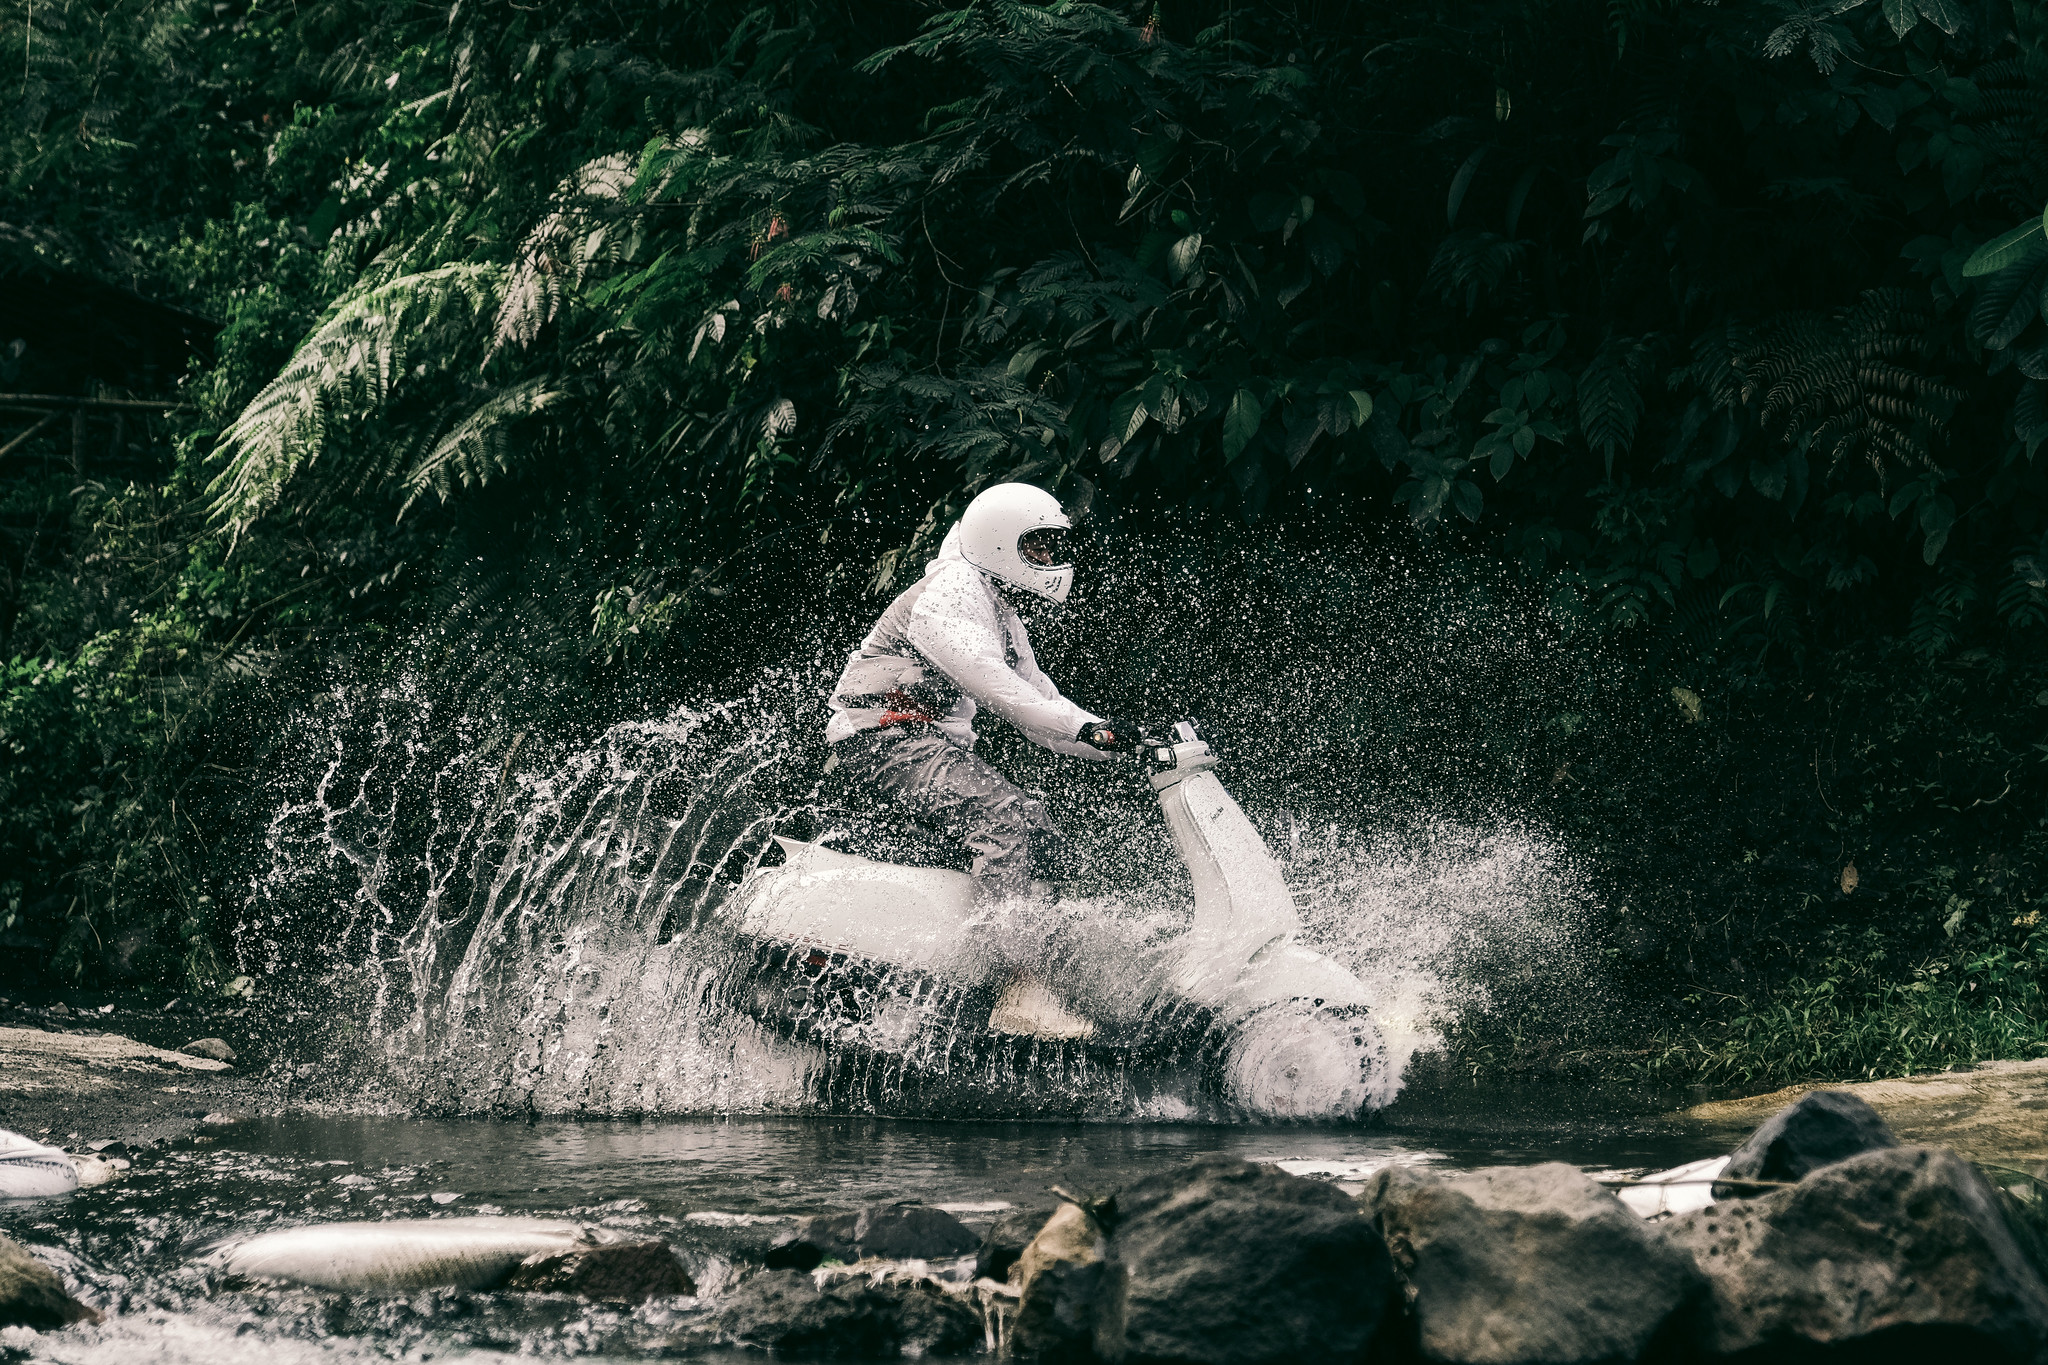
[{"x": 1109, "y": 736}]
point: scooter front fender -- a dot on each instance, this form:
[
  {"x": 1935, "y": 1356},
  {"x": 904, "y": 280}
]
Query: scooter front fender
[{"x": 1285, "y": 971}]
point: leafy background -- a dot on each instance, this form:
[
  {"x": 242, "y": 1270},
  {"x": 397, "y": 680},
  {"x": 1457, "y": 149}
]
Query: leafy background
[{"x": 1701, "y": 345}]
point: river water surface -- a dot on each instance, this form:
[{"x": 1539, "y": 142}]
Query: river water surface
[{"x": 717, "y": 1189}]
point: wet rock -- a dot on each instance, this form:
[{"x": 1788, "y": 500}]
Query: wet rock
[
  {"x": 1060, "y": 1276},
  {"x": 216, "y": 1048},
  {"x": 60, "y": 1010},
  {"x": 1225, "y": 1262},
  {"x": 893, "y": 1232},
  {"x": 1003, "y": 1243},
  {"x": 629, "y": 1271},
  {"x": 1524, "y": 1264},
  {"x": 1900, "y": 1251},
  {"x": 786, "y": 1312},
  {"x": 31, "y": 1295},
  {"x": 94, "y": 1171},
  {"x": 401, "y": 1255},
  {"x": 1818, "y": 1129}
]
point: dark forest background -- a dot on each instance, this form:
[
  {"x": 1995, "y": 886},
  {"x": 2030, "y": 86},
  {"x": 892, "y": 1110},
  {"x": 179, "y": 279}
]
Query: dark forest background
[{"x": 572, "y": 353}]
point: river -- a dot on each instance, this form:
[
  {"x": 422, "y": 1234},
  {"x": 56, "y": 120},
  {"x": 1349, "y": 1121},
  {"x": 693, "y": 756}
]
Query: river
[{"x": 712, "y": 1186}]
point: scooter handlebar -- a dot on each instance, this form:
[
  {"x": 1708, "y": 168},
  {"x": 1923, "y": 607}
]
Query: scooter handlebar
[{"x": 1184, "y": 753}]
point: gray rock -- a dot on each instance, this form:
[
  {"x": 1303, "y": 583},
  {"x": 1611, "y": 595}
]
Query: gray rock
[
  {"x": 1060, "y": 1275},
  {"x": 894, "y": 1232},
  {"x": 31, "y": 1295},
  {"x": 1224, "y": 1262},
  {"x": 1816, "y": 1130},
  {"x": 785, "y": 1312},
  {"x": 627, "y": 1271},
  {"x": 1514, "y": 1265},
  {"x": 1003, "y": 1243},
  {"x": 215, "y": 1048},
  {"x": 1903, "y": 1250}
]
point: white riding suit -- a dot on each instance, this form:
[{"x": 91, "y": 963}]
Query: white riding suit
[{"x": 903, "y": 719}]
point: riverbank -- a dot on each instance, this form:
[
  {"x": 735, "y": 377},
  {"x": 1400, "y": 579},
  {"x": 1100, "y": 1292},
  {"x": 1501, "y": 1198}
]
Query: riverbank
[
  {"x": 82, "y": 1075},
  {"x": 1993, "y": 1112}
]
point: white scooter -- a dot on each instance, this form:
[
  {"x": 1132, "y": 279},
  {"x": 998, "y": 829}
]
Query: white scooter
[{"x": 856, "y": 953}]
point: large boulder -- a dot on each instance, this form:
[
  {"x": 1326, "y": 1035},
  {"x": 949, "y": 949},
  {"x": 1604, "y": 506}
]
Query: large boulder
[
  {"x": 893, "y": 1232},
  {"x": 1059, "y": 1275},
  {"x": 788, "y": 1313},
  {"x": 629, "y": 1271},
  {"x": 1225, "y": 1262},
  {"x": 31, "y": 1295},
  {"x": 1516, "y": 1265},
  {"x": 1816, "y": 1130},
  {"x": 1901, "y": 1251}
]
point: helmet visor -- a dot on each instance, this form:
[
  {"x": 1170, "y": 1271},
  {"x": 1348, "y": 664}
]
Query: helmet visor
[{"x": 1048, "y": 547}]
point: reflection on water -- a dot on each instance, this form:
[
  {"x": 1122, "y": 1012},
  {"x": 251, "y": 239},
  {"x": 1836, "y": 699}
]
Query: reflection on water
[{"x": 716, "y": 1189}]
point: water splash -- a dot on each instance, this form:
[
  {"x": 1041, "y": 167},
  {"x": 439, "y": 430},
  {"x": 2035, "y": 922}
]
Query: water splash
[
  {"x": 481, "y": 922},
  {"x": 1445, "y": 919}
]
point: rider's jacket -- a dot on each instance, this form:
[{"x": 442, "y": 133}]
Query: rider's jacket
[{"x": 948, "y": 645}]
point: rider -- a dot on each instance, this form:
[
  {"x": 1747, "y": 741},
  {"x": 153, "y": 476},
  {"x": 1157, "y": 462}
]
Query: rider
[{"x": 903, "y": 711}]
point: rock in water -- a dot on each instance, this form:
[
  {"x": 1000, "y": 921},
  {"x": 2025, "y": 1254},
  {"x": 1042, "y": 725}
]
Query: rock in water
[
  {"x": 1816, "y": 1130},
  {"x": 1904, "y": 1249},
  {"x": 902, "y": 1232},
  {"x": 31, "y": 1295},
  {"x": 626, "y": 1271},
  {"x": 29, "y": 1170},
  {"x": 1060, "y": 1274},
  {"x": 787, "y": 1313},
  {"x": 216, "y": 1048},
  {"x": 1224, "y": 1262},
  {"x": 894, "y": 1232},
  {"x": 402, "y": 1255},
  {"x": 1006, "y": 1240},
  {"x": 1515, "y": 1264}
]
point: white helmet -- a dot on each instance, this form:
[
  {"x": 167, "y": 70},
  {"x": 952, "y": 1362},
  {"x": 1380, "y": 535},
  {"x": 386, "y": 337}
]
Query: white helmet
[{"x": 998, "y": 519}]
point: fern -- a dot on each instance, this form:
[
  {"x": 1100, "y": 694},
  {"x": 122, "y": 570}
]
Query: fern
[
  {"x": 1473, "y": 263},
  {"x": 471, "y": 449},
  {"x": 360, "y": 351},
  {"x": 561, "y": 249},
  {"x": 1848, "y": 385},
  {"x": 1609, "y": 403}
]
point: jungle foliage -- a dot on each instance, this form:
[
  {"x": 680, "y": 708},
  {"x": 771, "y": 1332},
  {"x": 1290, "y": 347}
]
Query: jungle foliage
[{"x": 1724, "y": 324}]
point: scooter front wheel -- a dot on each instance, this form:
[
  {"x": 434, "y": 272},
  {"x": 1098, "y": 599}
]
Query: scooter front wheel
[{"x": 1298, "y": 1060}]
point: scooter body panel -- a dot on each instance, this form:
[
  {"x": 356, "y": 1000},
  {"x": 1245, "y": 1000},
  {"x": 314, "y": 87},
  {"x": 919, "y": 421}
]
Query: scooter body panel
[
  {"x": 1242, "y": 904},
  {"x": 914, "y": 917}
]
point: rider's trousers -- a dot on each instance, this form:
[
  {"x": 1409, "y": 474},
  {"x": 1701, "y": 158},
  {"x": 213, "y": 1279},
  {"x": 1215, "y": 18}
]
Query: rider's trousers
[{"x": 1009, "y": 831}]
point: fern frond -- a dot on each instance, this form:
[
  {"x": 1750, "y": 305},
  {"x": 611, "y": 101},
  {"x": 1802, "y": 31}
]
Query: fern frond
[
  {"x": 1849, "y": 385},
  {"x": 1609, "y": 404},
  {"x": 559, "y": 251},
  {"x": 354, "y": 358},
  {"x": 479, "y": 445}
]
